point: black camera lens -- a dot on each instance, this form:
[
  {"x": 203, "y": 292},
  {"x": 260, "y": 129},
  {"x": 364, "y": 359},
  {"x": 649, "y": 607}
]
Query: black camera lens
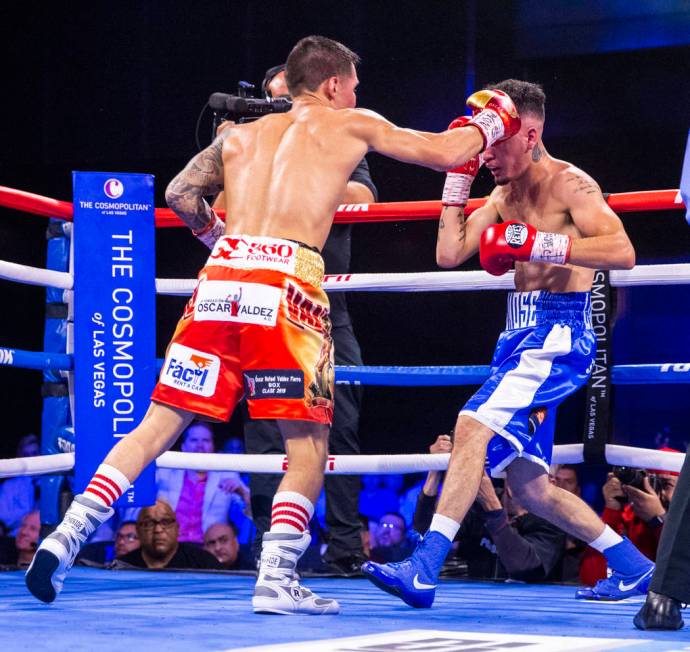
[{"x": 630, "y": 476}]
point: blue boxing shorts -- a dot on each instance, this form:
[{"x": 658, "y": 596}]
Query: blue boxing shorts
[{"x": 545, "y": 354}]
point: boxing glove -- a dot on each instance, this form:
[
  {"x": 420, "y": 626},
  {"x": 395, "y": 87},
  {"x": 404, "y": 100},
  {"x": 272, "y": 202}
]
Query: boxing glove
[
  {"x": 502, "y": 244},
  {"x": 494, "y": 114}
]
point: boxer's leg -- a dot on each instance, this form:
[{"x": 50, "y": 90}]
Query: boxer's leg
[{"x": 277, "y": 590}]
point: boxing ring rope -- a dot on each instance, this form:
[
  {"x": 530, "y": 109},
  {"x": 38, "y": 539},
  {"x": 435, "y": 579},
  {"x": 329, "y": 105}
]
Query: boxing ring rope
[
  {"x": 624, "y": 202},
  {"x": 340, "y": 464},
  {"x": 389, "y": 376}
]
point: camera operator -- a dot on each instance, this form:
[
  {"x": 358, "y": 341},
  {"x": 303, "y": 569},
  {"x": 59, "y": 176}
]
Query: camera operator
[
  {"x": 344, "y": 554},
  {"x": 636, "y": 510}
]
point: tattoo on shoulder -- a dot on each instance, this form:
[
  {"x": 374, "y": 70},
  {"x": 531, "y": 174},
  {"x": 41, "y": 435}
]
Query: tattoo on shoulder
[
  {"x": 582, "y": 184},
  {"x": 441, "y": 224}
]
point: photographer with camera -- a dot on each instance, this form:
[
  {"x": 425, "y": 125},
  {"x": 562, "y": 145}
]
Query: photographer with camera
[{"x": 635, "y": 505}]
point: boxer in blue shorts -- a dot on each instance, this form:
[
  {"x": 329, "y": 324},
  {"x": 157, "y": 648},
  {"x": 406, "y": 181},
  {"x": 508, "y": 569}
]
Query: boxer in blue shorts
[{"x": 550, "y": 219}]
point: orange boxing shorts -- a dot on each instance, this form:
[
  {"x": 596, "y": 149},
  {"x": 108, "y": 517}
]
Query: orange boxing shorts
[{"x": 257, "y": 325}]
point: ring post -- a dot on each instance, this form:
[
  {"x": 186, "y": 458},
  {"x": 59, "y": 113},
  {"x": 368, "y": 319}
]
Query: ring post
[
  {"x": 114, "y": 319},
  {"x": 56, "y": 412}
]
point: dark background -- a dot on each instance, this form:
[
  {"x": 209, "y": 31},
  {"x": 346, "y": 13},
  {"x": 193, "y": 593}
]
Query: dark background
[{"x": 119, "y": 86}]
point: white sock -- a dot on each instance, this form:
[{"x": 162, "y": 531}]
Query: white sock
[
  {"x": 291, "y": 512},
  {"x": 446, "y": 526},
  {"x": 607, "y": 539},
  {"x": 107, "y": 485}
]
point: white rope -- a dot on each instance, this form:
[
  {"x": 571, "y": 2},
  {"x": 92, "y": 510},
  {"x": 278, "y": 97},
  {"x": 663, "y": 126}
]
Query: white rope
[
  {"x": 35, "y": 275},
  {"x": 425, "y": 282},
  {"x": 678, "y": 274},
  {"x": 455, "y": 281},
  {"x": 341, "y": 464},
  {"x": 39, "y": 465},
  {"x": 175, "y": 287}
]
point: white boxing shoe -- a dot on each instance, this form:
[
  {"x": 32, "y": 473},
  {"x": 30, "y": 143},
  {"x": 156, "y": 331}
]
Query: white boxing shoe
[
  {"x": 57, "y": 552},
  {"x": 277, "y": 589}
]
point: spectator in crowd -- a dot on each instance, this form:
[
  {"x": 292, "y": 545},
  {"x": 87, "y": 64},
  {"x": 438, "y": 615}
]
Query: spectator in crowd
[
  {"x": 158, "y": 530},
  {"x": 19, "y": 496},
  {"x": 126, "y": 538},
  {"x": 100, "y": 553},
  {"x": 498, "y": 538},
  {"x": 200, "y": 498},
  {"x": 221, "y": 541},
  {"x": 392, "y": 542},
  {"x": 636, "y": 512},
  {"x": 566, "y": 477},
  {"x": 19, "y": 552}
]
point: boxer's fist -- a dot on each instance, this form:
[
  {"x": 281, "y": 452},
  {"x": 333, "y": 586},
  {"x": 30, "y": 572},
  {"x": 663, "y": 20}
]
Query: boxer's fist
[
  {"x": 494, "y": 114},
  {"x": 211, "y": 232},
  {"x": 503, "y": 244},
  {"x": 456, "y": 189}
]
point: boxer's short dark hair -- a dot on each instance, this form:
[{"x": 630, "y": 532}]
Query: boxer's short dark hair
[
  {"x": 527, "y": 96},
  {"x": 313, "y": 60}
]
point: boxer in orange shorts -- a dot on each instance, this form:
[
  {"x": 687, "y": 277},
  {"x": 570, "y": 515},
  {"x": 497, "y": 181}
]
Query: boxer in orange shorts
[
  {"x": 258, "y": 322},
  {"x": 256, "y": 325}
]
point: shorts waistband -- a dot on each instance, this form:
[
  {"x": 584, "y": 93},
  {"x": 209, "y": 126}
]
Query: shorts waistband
[
  {"x": 530, "y": 309},
  {"x": 260, "y": 252}
]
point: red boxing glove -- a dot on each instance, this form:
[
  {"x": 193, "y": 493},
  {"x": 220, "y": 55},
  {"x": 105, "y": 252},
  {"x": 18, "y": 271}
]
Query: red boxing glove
[
  {"x": 456, "y": 190},
  {"x": 494, "y": 114},
  {"x": 503, "y": 244}
]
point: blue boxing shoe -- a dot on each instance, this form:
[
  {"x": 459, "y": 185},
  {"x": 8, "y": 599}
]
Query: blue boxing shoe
[
  {"x": 414, "y": 579},
  {"x": 631, "y": 574}
]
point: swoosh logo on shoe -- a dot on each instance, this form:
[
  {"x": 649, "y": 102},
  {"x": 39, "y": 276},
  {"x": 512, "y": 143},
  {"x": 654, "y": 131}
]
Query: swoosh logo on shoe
[
  {"x": 622, "y": 586},
  {"x": 420, "y": 586}
]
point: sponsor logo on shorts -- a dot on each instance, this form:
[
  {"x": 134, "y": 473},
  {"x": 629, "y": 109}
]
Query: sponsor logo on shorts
[
  {"x": 190, "y": 370},
  {"x": 522, "y": 310},
  {"x": 516, "y": 235},
  {"x": 302, "y": 310},
  {"x": 274, "y": 383},
  {"x": 244, "y": 252},
  {"x": 245, "y": 303}
]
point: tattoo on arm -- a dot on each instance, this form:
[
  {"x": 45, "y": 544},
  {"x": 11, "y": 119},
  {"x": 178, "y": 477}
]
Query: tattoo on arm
[
  {"x": 461, "y": 230},
  {"x": 203, "y": 175},
  {"x": 461, "y": 226},
  {"x": 537, "y": 153}
]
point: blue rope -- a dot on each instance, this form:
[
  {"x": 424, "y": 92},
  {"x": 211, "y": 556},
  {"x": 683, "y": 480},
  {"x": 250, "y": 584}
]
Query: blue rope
[{"x": 631, "y": 374}]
